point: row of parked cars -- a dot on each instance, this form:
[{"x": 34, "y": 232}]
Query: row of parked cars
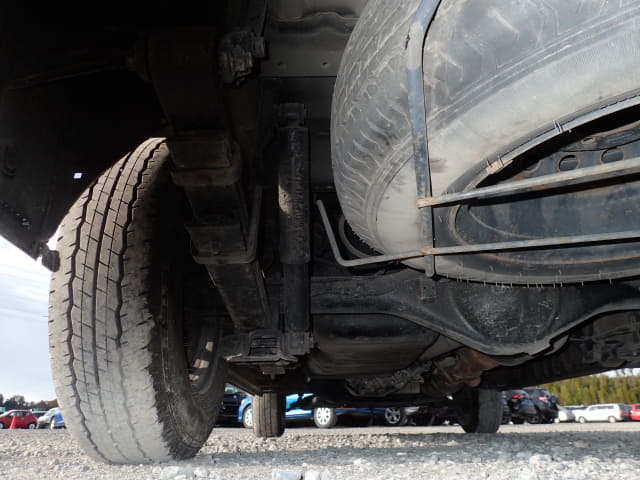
[
  {"x": 536, "y": 405},
  {"x": 52, "y": 419},
  {"x": 531, "y": 405},
  {"x": 237, "y": 409}
]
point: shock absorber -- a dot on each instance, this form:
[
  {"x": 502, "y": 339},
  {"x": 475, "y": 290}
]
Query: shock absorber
[{"x": 293, "y": 199}]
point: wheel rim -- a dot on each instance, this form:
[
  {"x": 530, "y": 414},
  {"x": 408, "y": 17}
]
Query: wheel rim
[
  {"x": 393, "y": 415},
  {"x": 52, "y": 425},
  {"x": 248, "y": 417},
  {"x": 32, "y": 426},
  {"x": 323, "y": 415}
]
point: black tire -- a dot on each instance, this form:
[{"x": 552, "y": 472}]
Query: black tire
[
  {"x": 247, "y": 417},
  {"x": 500, "y": 76},
  {"x": 32, "y": 426},
  {"x": 127, "y": 364},
  {"x": 1, "y": 425},
  {"x": 485, "y": 415},
  {"x": 612, "y": 419},
  {"x": 395, "y": 417},
  {"x": 52, "y": 424},
  {"x": 582, "y": 420},
  {"x": 324, "y": 417},
  {"x": 536, "y": 419},
  {"x": 268, "y": 415}
]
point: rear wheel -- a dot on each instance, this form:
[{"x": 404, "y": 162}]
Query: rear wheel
[
  {"x": 138, "y": 382},
  {"x": 268, "y": 415},
  {"x": 247, "y": 417},
  {"x": 485, "y": 415},
  {"x": 612, "y": 420},
  {"x": 324, "y": 417},
  {"x": 582, "y": 420},
  {"x": 52, "y": 424},
  {"x": 32, "y": 426},
  {"x": 395, "y": 417}
]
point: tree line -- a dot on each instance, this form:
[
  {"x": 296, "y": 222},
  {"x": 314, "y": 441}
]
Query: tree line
[
  {"x": 622, "y": 387},
  {"x": 18, "y": 402}
]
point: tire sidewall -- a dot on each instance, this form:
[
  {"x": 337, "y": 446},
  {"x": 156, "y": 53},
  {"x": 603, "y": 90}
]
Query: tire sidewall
[
  {"x": 394, "y": 416},
  {"x": 324, "y": 417},
  {"x": 187, "y": 413},
  {"x": 247, "y": 417}
]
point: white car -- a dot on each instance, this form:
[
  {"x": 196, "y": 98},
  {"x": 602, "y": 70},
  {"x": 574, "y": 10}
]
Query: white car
[
  {"x": 605, "y": 412},
  {"x": 565, "y": 415}
]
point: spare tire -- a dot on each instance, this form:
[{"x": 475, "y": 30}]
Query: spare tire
[{"x": 501, "y": 76}]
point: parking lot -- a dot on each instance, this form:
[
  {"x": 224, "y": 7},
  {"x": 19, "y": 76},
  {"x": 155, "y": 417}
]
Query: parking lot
[{"x": 563, "y": 451}]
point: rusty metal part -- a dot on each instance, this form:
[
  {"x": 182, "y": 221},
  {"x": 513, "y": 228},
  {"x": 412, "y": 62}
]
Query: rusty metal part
[{"x": 464, "y": 368}]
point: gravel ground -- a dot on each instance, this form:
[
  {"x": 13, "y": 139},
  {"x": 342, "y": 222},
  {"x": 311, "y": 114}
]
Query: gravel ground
[{"x": 566, "y": 451}]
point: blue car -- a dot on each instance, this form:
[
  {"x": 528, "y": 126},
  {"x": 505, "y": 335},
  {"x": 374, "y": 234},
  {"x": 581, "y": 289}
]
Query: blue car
[
  {"x": 51, "y": 419},
  {"x": 323, "y": 417}
]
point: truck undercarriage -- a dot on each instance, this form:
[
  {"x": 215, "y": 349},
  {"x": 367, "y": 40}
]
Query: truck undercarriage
[{"x": 270, "y": 236}]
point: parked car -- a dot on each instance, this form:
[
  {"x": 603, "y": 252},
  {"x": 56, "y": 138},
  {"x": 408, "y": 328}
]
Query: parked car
[
  {"x": 521, "y": 407},
  {"x": 634, "y": 411},
  {"x": 233, "y": 397},
  {"x": 605, "y": 412},
  {"x": 51, "y": 419},
  {"x": 323, "y": 417},
  {"x": 546, "y": 404},
  {"x": 24, "y": 419},
  {"x": 565, "y": 415}
]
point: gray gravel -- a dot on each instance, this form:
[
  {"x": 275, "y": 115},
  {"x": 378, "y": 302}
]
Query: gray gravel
[{"x": 566, "y": 451}]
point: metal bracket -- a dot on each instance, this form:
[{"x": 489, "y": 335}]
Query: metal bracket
[
  {"x": 475, "y": 248},
  {"x": 418, "y": 115},
  {"x": 545, "y": 182}
]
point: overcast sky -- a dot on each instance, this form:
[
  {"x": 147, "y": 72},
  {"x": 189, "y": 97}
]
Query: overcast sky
[{"x": 24, "y": 344}]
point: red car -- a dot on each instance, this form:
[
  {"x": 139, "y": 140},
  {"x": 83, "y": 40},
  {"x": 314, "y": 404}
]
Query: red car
[
  {"x": 24, "y": 419},
  {"x": 635, "y": 411}
]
